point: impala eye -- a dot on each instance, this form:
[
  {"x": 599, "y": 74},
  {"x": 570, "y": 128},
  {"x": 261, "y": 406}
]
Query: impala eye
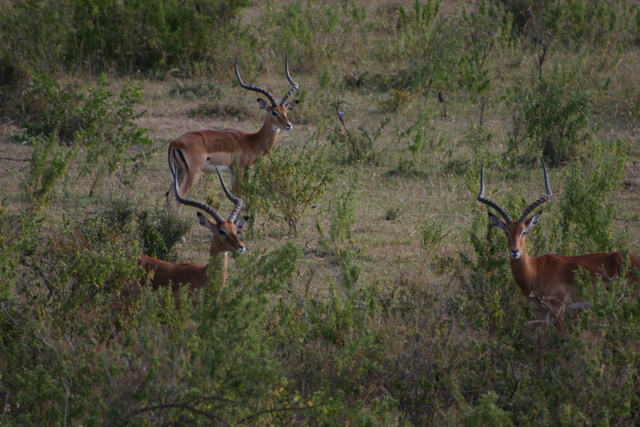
[
  {"x": 274, "y": 113},
  {"x": 222, "y": 232}
]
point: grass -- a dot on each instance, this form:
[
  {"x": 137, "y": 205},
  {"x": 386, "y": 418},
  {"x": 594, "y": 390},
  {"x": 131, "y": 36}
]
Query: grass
[
  {"x": 381, "y": 327},
  {"x": 391, "y": 248}
]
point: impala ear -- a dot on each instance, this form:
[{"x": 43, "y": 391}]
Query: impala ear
[
  {"x": 240, "y": 222},
  {"x": 532, "y": 222},
  {"x": 497, "y": 222},
  {"x": 291, "y": 105},
  {"x": 206, "y": 222},
  {"x": 264, "y": 105}
]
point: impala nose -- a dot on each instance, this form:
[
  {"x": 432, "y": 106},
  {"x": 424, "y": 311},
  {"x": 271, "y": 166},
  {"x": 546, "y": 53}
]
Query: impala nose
[
  {"x": 241, "y": 248},
  {"x": 288, "y": 126},
  {"x": 515, "y": 253}
]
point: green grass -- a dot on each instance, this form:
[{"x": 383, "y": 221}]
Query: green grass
[{"x": 391, "y": 301}]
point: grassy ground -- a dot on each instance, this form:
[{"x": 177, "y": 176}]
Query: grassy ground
[
  {"x": 413, "y": 213},
  {"x": 391, "y": 248}
]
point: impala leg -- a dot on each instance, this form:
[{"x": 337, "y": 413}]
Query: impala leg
[
  {"x": 185, "y": 183},
  {"x": 188, "y": 182},
  {"x": 579, "y": 306},
  {"x": 236, "y": 179}
]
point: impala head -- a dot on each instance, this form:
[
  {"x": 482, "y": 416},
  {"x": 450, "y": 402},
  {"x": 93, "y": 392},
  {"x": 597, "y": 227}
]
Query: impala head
[
  {"x": 276, "y": 112},
  {"x": 224, "y": 232},
  {"x": 515, "y": 230}
]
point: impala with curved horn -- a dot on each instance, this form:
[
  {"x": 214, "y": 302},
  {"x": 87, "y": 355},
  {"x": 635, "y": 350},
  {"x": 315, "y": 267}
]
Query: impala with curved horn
[
  {"x": 224, "y": 239},
  {"x": 548, "y": 281},
  {"x": 201, "y": 151}
]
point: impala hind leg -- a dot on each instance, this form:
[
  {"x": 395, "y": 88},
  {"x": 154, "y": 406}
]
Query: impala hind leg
[
  {"x": 236, "y": 180},
  {"x": 185, "y": 184}
]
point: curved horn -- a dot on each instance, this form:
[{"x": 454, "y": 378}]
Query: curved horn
[
  {"x": 208, "y": 209},
  {"x": 294, "y": 85},
  {"x": 236, "y": 200},
  {"x": 488, "y": 202},
  {"x": 254, "y": 88},
  {"x": 542, "y": 199}
]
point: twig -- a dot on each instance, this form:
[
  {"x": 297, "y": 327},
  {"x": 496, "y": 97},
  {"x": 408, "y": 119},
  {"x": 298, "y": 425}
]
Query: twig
[
  {"x": 270, "y": 411},
  {"x": 6, "y": 313},
  {"x": 14, "y": 159}
]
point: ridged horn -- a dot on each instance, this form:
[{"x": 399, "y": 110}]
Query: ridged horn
[
  {"x": 238, "y": 202},
  {"x": 254, "y": 88},
  {"x": 542, "y": 199},
  {"x": 208, "y": 209},
  {"x": 294, "y": 85},
  {"x": 488, "y": 202}
]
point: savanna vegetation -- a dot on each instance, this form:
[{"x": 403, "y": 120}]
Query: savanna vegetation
[{"x": 374, "y": 290}]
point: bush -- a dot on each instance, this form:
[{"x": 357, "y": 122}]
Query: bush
[
  {"x": 94, "y": 124},
  {"x": 49, "y": 163},
  {"x": 355, "y": 147},
  {"x": 88, "y": 349},
  {"x": 555, "y": 112},
  {"x": 314, "y": 32},
  {"x": 588, "y": 205},
  {"x": 430, "y": 47},
  {"x": 339, "y": 241},
  {"x": 284, "y": 184},
  {"x": 160, "y": 230},
  {"x": 573, "y": 23},
  {"x": 143, "y": 36}
]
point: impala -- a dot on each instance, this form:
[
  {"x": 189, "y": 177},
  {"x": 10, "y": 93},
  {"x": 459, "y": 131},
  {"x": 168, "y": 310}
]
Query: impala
[
  {"x": 201, "y": 151},
  {"x": 224, "y": 239},
  {"x": 548, "y": 281}
]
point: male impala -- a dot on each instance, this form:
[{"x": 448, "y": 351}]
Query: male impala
[
  {"x": 548, "y": 281},
  {"x": 201, "y": 151},
  {"x": 224, "y": 238}
]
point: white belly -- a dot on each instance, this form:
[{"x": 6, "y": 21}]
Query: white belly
[{"x": 212, "y": 168}]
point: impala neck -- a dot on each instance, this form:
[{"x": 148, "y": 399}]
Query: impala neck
[
  {"x": 266, "y": 137},
  {"x": 523, "y": 270}
]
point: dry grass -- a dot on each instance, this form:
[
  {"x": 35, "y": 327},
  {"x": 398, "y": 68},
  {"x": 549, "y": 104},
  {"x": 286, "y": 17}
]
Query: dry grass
[{"x": 391, "y": 252}]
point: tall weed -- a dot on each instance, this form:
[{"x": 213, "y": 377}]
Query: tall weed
[{"x": 317, "y": 32}]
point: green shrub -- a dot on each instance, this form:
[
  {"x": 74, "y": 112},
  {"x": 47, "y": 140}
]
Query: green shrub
[
  {"x": 488, "y": 30},
  {"x": 141, "y": 36},
  {"x": 95, "y": 124},
  {"x": 160, "y": 230},
  {"x": 487, "y": 413},
  {"x": 355, "y": 147},
  {"x": 574, "y": 22},
  {"x": 554, "y": 112},
  {"x": 49, "y": 163},
  {"x": 587, "y": 207},
  {"x": 284, "y": 184},
  {"x": 430, "y": 47},
  {"x": 314, "y": 32},
  {"x": 87, "y": 348},
  {"x": 34, "y": 33}
]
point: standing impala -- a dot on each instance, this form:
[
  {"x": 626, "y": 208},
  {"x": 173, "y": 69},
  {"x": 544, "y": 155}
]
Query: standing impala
[
  {"x": 548, "y": 281},
  {"x": 201, "y": 151},
  {"x": 224, "y": 238}
]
